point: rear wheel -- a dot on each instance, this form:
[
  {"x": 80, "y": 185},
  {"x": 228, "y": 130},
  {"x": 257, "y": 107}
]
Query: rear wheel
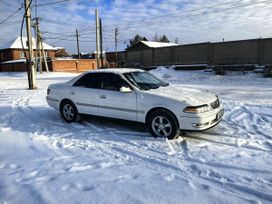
[
  {"x": 69, "y": 112},
  {"x": 163, "y": 123}
]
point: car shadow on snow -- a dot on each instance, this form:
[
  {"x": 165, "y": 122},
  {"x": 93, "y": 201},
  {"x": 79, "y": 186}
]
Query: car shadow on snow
[
  {"x": 46, "y": 121},
  {"x": 116, "y": 126}
]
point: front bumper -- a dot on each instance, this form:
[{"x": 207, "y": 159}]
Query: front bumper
[{"x": 203, "y": 121}]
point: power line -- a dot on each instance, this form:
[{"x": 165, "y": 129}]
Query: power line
[
  {"x": 46, "y": 20},
  {"x": 65, "y": 39},
  {"x": 58, "y": 34},
  {"x": 51, "y": 3},
  {"x": 140, "y": 22},
  {"x": 56, "y": 2},
  {"x": 11, "y": 15},
  {"x": 11, "y": 22},
  {"x": 266, "y": 2},
  {"x": 65, "y": 34},
  {"x": 217, "y": 11},
  {"x": 72, "y": 40}
]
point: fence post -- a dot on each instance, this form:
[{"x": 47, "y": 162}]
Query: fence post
[
  {"x": 153, "y": 57},
  {"x": 172, "y": 56},
  {"x": 260, "y": 52},
  {"x": 211, "y": 54}
]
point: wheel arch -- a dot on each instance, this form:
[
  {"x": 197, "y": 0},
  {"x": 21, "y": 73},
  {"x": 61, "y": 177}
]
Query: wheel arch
[
  {"x": 158, "y": 109},
  {"x": 66, "y": 100}
]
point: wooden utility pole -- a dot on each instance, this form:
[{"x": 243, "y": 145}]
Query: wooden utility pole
[
  {"x": 97, "y": 38},
  {"x": 116, "y": 44},
  {"x": 30, "y": 65},
  {"x": 101, "y": 43},
  {"x": 37, "y": 41},
  {"x": 78, "y": 53},
  {"x": 40, "y": 53},
  {"x": 43, "y": 53}
]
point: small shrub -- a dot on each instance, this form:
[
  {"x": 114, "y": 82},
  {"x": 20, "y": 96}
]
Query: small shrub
[{"x": 219, "y": 71}]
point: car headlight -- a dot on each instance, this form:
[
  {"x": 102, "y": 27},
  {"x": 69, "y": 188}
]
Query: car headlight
[{"x": 197, "y": 109}]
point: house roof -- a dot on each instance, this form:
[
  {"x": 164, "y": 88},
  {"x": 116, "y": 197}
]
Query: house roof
[
  {"x": 16, "y": 44},
  {"x": 59, "y": 48},
  {"x": 153, "y": 44}
]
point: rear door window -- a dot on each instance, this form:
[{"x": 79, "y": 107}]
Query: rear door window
[{"x": 91, "y": 80}]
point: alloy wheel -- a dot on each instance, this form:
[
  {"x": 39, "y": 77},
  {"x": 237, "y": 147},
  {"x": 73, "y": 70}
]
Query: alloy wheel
[
  {"x": 68, "y": 112},
  {"x": 161, "y": 126}
]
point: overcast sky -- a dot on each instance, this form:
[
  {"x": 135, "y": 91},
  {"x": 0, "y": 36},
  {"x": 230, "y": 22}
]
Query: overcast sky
[{"x": 191, "y": 21}]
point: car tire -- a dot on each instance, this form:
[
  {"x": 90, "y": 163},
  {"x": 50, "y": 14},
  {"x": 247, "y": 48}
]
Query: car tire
[
  {"x": 69, "y": 112},
  {"x": 163, "y": 123}
]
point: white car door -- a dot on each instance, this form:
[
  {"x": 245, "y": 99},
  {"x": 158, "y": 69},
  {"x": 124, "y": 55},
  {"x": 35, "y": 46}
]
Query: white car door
[
  {"x": 85, "y": 93},
  {"x": 114, "y": 103}
]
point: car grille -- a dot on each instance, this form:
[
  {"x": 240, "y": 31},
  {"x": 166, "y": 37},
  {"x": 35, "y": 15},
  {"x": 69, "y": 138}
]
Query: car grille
[{"x": 215, "y": 104}]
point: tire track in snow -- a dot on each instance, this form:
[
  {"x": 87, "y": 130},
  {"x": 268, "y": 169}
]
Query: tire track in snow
[
  {"x": 220, "y": 180},
  {"x": 245, "y": 120},
  {"x": 235, "y": 143},
  {"x": 152, "y": 162},
  {"x": 187, "y": 170},
  {"x": 130, "y": 154}
]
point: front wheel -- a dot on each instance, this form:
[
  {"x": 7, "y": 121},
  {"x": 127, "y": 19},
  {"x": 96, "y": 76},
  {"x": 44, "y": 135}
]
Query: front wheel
[
  {"x": 163, "y": 123},
  {"x": 69, "y": 112}
]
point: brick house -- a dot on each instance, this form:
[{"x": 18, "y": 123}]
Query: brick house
[
  {"x": 13, "y": 50},
  {"x": 12, "y": 58},
  {"x": 12, "y": 55}
]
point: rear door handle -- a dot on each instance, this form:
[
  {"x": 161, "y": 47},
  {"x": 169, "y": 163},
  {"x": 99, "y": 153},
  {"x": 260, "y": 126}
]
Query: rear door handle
[{"x": 103, "y": 96}]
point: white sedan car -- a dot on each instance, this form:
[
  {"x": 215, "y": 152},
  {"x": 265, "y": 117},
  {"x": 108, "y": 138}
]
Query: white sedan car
[{"x": 136, "y": 95}]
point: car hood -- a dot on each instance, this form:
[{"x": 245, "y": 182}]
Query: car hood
[{"x": 184, "y": 94}]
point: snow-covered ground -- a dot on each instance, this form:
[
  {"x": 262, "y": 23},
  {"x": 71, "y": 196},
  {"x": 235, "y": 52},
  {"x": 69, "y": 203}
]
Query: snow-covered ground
[{"x": 45, "y": 160}]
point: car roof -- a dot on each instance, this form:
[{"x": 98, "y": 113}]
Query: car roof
[
  {"x": 115, "y": 70},
  {"x": 111, "y": 70}
]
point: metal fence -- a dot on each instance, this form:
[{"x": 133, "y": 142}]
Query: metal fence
[{"x": 255, "y": 51}]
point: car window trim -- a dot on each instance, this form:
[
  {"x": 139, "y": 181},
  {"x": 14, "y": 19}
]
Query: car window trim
[{"x": 131, "y": 86}]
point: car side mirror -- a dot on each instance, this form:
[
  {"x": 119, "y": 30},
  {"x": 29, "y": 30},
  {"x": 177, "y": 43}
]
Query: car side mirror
[{"x": 124, "y": 89}]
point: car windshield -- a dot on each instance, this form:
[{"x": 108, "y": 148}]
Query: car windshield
[{"x": 144, "y": 80}]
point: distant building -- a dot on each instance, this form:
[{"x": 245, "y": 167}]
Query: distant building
[
  {"x": 113, "y": 62},
  {"x": 142, "y": 53},
  {"x": 149, "y": 44},
  {"x": 60, "y": 52},
  {"x": 13, "y": 50},
  {"x": 83, "y": 55},
  {"x": 12, "y": 58},
  {"x": 94, "y": 54},
  {"x": 131, "y": 54}
]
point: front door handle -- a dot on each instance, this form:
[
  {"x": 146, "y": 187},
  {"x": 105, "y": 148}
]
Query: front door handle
[{"x": 103, "y": 96}]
